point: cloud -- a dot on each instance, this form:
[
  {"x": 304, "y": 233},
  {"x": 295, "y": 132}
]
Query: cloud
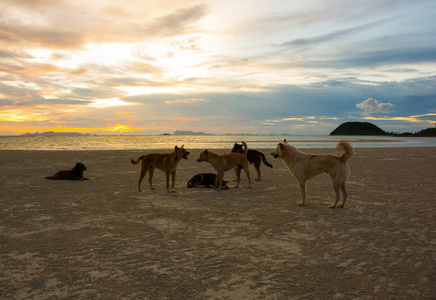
[
  {"x": 186, "y": 101},
  {"x": 134, "y": 82},
  {"x": 298, "y": 119},
  {"x": 371, "y": 105},
  {"x": 329, "y": 36},
  {"x": 411, "y": 119},
  {"x": 54, "y": 39},
  {"x": 177, "y": 22}
]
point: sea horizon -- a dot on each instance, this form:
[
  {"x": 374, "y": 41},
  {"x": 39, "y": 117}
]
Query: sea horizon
[{"x": 165, "y": 142}]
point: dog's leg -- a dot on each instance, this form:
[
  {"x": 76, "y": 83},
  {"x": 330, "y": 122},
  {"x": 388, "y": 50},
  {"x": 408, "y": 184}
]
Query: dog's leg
[
  {"x": 167, "y": 181},
  {"x": 217, "y": 180},
  {"x": 238, "y": 175},
  {"x": 336, "y": 188},
  {"x": 303, "y": 193},
  {"x": 344, "y": 196},
  {"x": 150, "y": 177},
  {"x": 173, "y": 180},
  {"x": 220, "y": 183},
  {"x": 143, "y": 173},
  {"x": 247, "y": 172},
  {"x": 257, "y": 167}
]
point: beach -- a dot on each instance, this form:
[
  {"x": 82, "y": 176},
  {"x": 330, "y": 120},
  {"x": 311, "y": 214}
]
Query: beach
[{"x": 101, "y": 238}]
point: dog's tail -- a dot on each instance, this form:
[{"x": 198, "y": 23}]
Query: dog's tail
[
  {"x": 245, "y": 148},
  {"x": 135, "y": 162},
  {"x": 348, "y": 150},
  {"x": 265, "y": 161}
]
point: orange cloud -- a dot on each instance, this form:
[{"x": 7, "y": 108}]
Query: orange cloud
[
  {"x": 124, "y": 112},
  {"x": 118, "y": 127},
  {"x": 411, "y": 119},
  {"x": 38, "y": 69},
  {"x": 20, "y": 115}
]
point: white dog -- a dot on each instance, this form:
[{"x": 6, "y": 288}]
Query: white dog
[{"x": 305, "y": 166}]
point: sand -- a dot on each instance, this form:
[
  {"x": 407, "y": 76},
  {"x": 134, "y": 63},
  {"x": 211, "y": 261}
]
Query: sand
[{"x": 102, "y": 239}]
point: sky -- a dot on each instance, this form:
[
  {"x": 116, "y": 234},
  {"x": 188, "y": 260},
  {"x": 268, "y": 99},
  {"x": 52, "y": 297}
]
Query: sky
[{"x": 259, "y": 67}]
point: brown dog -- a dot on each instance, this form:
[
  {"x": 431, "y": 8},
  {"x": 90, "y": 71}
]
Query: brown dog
[
  {"x": 225, "y": 162},
  {"x": 305, "y": 166},
  {"x": 75, "y": 173},
  {"x": 166, "y": 162}
]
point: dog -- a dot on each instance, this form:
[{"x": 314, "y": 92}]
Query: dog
[
  {"x": 166, "y": 162},
  {"x": 205, "y": 180},
  {"x": 225, "y": 162},
  {"x": 254, "y": 157},
  {"x": 305, "y": 166},
  {"x": 75, "y": 173}
]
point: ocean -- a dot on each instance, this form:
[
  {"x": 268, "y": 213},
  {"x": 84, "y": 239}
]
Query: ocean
[{"x": 164, "y": 142}]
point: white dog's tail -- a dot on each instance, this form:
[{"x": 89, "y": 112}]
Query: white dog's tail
[
  {"x": 348, "y": 150},
  {"x": 245, "y": 148}
]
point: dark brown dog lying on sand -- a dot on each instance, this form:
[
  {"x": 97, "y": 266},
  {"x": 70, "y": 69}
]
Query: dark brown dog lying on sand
[
  {"x": 254, "y": 157},
  {"x": 225, "y": 162},
  {"x": 305, "y": 166},
  {"x": 166, "y": 162},
  {"x": 75, "y": 173}
]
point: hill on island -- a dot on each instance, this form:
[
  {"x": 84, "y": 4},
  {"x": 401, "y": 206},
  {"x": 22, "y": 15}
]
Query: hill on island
[
  {"x": 358, "y": 128},
  {"x": 52, "y": 133},
  {"x": 426, "y": 132},
  {"x": 188, "y": 132}
]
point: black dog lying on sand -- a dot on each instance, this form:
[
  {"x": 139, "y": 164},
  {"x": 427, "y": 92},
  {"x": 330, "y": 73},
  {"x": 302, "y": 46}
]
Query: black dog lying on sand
[
  {"x": 75, "y": 173},
  {"x": 254, "y": 157},
  {"x": 205, "y": 180}
]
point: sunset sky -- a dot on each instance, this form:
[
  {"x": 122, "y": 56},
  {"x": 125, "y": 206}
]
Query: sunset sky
[{"x": 149, "y": 67}]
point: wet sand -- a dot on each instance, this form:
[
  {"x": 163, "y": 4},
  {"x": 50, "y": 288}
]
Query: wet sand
[{"x": 102, "y": 239}]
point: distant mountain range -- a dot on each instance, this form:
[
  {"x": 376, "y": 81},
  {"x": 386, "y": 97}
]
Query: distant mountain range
[
  {"x": 52, "y": 133},
  {"x": 187, "y": 132}
]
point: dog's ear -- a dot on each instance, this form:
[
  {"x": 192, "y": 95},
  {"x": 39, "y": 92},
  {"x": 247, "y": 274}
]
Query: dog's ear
[
  {"x": 176, "y": 148},
  {"x": 183, "y": 146},
  {"x": 285, "y": 141}
]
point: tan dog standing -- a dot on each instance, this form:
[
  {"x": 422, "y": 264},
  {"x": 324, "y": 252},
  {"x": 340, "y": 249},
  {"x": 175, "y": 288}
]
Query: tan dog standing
[
  {"x": 225, "y": 162},
  {"x": 166, "y": 162},
  {"x": 305, "y": 166}
]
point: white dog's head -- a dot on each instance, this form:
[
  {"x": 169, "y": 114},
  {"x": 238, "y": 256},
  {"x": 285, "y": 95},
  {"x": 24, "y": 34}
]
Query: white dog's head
[{"x": 279, "y": 152}]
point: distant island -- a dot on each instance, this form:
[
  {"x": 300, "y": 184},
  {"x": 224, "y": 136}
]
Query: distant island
[
  {"x": 366, "y": 128},
  {"x": 52, "y": 133},
  {"x": 187, "y": 132},
  {"x": 358, "y": 128}
]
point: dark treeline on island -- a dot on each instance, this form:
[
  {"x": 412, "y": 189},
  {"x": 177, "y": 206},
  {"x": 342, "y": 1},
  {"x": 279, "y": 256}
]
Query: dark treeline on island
[{"x": 366, "y": 128}]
